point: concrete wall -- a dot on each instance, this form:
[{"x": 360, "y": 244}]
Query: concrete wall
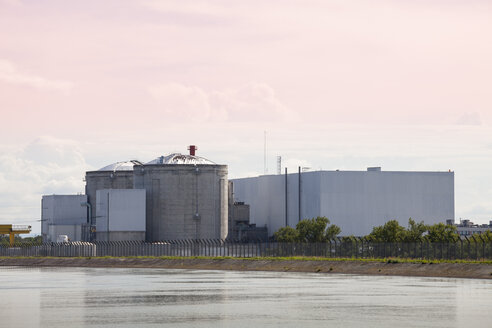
[
  {"x": 98, "y": 180},
  {"x": 354, "y": 200},
  {"x": 61, "y": 210},
  {"x": 238, "y": 215},
  {"x": 184, "y": 201},
  {"x": 121, "y": 212},
  {"x": 73, "y": 231},
  {"x": 120, "y": 236}
]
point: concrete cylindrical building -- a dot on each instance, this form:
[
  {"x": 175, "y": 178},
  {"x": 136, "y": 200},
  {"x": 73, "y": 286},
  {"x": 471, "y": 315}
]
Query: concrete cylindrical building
[
  {"x": 186, "y": 198},
  {"x": 115, "y": 176}
]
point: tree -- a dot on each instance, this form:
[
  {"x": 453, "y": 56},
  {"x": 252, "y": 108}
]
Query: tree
[
  {"x": 487, "y": 235},
  {"x": 390, "y": 232},
  {"x": 33, "y": 240},
  {"x": 313, "y": 230},
  {"x": 286, "y": 235},
  {"x": 442, "y": 233},
  {"x": 5, "y": 239},
  {"x": 316, "y": 230},
  {"x": 415, "y": 231},
  {"x": 332, "y": 231}
]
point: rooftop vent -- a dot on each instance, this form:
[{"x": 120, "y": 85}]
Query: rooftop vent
[
  {"x": 374, "y": 169},
  {"x": 192, "y": 149}
]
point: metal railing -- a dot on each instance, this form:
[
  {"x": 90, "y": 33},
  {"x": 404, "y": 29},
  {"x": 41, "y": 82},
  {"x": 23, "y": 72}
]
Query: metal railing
[
  {"x": 337, "y": 248},
  {"x": 16, "y": 227}
]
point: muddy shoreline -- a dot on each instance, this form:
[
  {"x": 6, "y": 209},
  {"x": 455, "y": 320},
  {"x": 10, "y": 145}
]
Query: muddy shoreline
[{"x": 448, "y": 270}]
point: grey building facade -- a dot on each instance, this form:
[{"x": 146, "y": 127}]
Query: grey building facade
[
  {"x": 356, "y": 201},
  {"x": 120, "y": 215},
  {"x": 115, "y": 176},
  {"x": 184, "y": 201},
  {"x": 63, "y": 215}
]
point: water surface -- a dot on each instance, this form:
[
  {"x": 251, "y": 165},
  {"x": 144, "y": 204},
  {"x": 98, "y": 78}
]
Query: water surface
[{"x": 93, "y": 297}]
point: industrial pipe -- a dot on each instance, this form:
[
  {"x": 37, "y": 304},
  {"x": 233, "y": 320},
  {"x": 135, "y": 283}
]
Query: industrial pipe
[{"x": 88, "y": 205}]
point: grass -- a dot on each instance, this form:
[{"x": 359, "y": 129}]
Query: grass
[{"x": 292, "y": 258}]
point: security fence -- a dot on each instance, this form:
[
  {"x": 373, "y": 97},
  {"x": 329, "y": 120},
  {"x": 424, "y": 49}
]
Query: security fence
[{"x": 337, "y": 248}]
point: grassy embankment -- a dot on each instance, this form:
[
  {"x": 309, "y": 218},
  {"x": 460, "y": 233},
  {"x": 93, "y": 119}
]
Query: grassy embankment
[
  {"x": 292, "y": 258},
  {"x": 381, "y": 266}
]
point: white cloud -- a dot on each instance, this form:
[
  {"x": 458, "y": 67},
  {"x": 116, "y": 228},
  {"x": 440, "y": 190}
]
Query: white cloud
[
  {"x": 45, "y": 166},
  {"x": 252, "y": 102},
  {"x": 182, "y": 102},
  {"x": 193, "y": 8},
  {"x": 47, "y": 150},
  {"x": 470, "y": 119},
  {"x": 9, "y": 73},
  {"x": 11, "y": 2}
]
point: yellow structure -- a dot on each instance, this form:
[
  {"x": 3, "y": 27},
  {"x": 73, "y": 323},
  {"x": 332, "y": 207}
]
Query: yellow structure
[{"x": 12, "y": 230}]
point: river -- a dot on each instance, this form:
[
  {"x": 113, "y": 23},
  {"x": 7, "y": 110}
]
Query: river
[{"x": 93, "y": 297}]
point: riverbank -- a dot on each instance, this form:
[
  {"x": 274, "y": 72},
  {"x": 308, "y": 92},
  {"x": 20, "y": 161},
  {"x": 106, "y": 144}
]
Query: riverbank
[{"x": 392, "y": 267}]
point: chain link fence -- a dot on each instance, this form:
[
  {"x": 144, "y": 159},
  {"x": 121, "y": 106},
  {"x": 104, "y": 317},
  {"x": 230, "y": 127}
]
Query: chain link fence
[{"x": 337, "y": 248}]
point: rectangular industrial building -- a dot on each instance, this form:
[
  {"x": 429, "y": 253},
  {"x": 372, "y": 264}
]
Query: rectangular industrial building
[
  {"x": 356, "y": 201},
  {"x": 120, "y": 214},
  {"x": 63, "y": 215}
]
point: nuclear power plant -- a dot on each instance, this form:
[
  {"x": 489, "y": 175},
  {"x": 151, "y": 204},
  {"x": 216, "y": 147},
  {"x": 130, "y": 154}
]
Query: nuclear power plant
[
  {"x": 172, "y": 197},
  {"x": 188, "y": 197}
]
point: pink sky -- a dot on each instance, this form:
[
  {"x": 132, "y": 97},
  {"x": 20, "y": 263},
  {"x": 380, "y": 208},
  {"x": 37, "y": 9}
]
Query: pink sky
[{"x": 327, "y": 77}]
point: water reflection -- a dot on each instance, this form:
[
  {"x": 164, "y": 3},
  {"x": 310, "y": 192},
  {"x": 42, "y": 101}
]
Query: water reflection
[{"x": 88, "y": 297}]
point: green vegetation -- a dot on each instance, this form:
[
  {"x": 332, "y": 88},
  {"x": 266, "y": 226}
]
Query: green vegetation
[
  {"x": 290, "y": 258},
  {"x": 313, "y": 230},
  {"x": 287, "y": 235},
  {"x": 318, "y": 230},
  {"x": 392, "y": 232},
  {"x": 5, "y": 241}
]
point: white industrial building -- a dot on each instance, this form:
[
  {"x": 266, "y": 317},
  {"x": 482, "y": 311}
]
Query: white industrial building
[
  {"x": 356, "y": 201},
  {"x": 466, "y": 228},
  {"x": 63, "y": 215}
]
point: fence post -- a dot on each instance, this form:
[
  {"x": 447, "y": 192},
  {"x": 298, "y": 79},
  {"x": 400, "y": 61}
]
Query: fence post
[
  {"x": 461, "y": 248},
  {"x": 483, "y": 247}
]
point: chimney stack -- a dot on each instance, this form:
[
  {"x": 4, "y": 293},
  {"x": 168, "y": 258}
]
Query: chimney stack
[{"x": 192, "y": 149}]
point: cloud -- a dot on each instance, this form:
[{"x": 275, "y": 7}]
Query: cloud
[
  {"x": 470, "y": 119},
  {"x": 52, "y": 151},
  {"x": 11, "y": 2},
  {"x": 181, "y": 101},
  {"x": 194, "y": 13},
  {"x": 10, "y": 74},
  {"x": 252, "y": 102},
  {"x": 45, "y": 166}
]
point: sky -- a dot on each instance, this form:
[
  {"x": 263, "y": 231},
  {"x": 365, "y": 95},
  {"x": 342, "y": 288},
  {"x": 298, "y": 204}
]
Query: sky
[{"x": 401, "y": 84}]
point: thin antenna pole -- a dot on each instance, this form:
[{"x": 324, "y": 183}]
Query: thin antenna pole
[
  {"x": 299, "y": 194},
  {"x": 286, "y": 201},
  {"x": 279, "y": 164}
]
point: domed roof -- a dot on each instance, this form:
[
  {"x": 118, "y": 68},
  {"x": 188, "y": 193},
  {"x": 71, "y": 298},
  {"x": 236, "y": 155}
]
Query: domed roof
[
  {"x": 121, "y": 166},
  {"x": 178, "y": 158}
]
